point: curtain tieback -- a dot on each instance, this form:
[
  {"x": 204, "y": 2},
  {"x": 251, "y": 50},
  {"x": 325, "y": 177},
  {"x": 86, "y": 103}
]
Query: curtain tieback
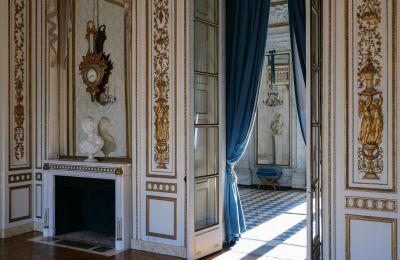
[{"x": 233, "y": 173}]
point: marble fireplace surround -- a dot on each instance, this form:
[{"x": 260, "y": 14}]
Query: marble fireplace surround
[{"x": 119, "y": 172}]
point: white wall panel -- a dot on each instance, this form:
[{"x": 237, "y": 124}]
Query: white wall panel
[
  {"x": 166, "y": 225},
  {"x": 370, "y": 238},
  {"x": 20, "y": 203}
]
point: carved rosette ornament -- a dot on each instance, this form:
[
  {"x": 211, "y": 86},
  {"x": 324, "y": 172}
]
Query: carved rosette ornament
[
  {"x": 161, "y": 83},
  {"x": 370, "y": 154}
]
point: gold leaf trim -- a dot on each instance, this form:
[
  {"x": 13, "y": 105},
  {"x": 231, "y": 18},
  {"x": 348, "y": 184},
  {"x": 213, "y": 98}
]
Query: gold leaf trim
[
  {"x": 374, "y": 204},
  {"x": 83, "y": 168},
  {"x": 21, "y": 177},
  {"x": 161, "y": 187}
]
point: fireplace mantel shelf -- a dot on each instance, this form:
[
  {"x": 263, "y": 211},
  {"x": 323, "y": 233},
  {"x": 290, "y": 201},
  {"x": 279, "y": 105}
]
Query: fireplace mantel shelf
[{"x": 87, "y": 167}]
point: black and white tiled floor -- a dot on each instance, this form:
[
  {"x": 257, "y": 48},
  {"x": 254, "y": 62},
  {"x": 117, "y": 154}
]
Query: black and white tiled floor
[
  {"x": 260, "y": 205},
  {"x": 276, "y": 225}
]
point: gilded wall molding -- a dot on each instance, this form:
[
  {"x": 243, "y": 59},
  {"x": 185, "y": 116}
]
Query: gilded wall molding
[
  {"x": 175, "y": 227},
  {"x": 20, "y": 177},
  {"x": 19, "y": 43},
  {"x": 10, "y": 204},
  {"x": 161, "y": 187},
  {"x": 82, "y": 168},
  {"x": 373, "y": 204},
  {"x": 391, "y": 221}
]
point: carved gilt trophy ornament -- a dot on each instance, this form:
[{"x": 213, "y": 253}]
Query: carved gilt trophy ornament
[
  {"x": 370, "y": 99},
  {"x": 95, "y": 67}
]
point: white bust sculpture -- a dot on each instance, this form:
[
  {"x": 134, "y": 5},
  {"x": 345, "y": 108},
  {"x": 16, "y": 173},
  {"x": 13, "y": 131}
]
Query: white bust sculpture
[
  {"x": 105, "y": 127},
  {"x": 93, "y": 142},
  {"x": 278, "y": 127}
]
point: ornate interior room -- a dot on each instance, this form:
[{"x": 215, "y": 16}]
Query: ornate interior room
[{"x": 199, "y": 129}]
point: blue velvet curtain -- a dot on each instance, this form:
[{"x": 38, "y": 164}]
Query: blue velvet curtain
[
  {"x": 246, "y": 35},
  {"x": 297, "y": 25}
]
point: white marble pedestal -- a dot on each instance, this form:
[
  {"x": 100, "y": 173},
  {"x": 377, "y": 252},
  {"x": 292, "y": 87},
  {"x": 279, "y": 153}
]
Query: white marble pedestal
[
  {"x": 278, "y": 155},
  {"x": 119, "y": 172}
]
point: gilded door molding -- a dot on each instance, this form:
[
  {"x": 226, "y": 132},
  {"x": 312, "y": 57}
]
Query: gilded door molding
[
  {"x": 370, "y": 75},
  {"x": 391, "y": 221},
  {"x": 19, "y": 80}
]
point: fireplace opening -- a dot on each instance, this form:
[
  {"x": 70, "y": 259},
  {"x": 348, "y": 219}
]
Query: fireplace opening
[{"x": 85, "y": 209}]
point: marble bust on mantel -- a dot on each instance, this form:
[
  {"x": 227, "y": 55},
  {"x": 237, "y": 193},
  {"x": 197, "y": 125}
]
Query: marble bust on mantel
[{"x": 93, "y": 142}]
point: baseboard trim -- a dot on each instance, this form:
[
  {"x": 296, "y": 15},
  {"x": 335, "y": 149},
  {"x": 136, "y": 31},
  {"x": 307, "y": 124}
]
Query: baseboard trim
[
  {"x": 178, "y": 251},
  {"x": 16, "y": 230},
  {"x": 38, "y": 226}
]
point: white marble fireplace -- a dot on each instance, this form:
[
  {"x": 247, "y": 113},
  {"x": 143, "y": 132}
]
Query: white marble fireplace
[{"x": 119, "y": 175}]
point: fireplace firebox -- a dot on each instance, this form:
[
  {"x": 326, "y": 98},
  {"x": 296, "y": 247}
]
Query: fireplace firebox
[
  {"x": 88, "y": 201},
  {"x": 84, "y": 204}
]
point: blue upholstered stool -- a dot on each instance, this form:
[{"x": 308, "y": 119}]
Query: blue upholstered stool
[{"x": 269, "y": 176}]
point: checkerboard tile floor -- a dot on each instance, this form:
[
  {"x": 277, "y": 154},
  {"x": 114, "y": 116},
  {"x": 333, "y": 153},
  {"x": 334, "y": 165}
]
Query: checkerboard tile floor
[
  {"x": 261, "y": 205},
  {"x": 276, "y": 225}
]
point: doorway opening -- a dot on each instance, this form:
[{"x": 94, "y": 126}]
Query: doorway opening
[
  {"x": 279, "y": 176},
  {"x": 272, "y": 172}
]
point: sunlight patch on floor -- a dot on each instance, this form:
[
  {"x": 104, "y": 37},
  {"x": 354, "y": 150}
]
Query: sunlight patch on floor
[
  {"x": 285, "y": 251},
  {"x": 299, "y": 239},
  {"x": 300, "y": 209},
  {"x": 274, "y": 227},
  {"x": 264, "y": 242}
]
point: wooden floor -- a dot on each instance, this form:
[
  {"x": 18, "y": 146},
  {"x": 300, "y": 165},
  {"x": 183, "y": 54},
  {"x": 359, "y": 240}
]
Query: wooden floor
[{"x": 18, "y": 248}]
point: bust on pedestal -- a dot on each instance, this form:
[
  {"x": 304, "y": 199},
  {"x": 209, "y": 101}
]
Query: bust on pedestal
[{"x": 93, "y": 142}]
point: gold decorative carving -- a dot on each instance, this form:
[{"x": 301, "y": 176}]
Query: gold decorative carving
[
  {"x": 83, "y": 168},
  {"x": 161, "y": 187},
  {"x": 21, "y": 177},
  {"x": 374, "y": 204},
  {"x": 161, "y": 82},
  {"x": 46, "y": 166},
  {"x": 19, "y": 73},
  {"x": 93, "y": 66},
  {"x": 348, "y": 111},
  {"x": 370, "y": 155}
]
